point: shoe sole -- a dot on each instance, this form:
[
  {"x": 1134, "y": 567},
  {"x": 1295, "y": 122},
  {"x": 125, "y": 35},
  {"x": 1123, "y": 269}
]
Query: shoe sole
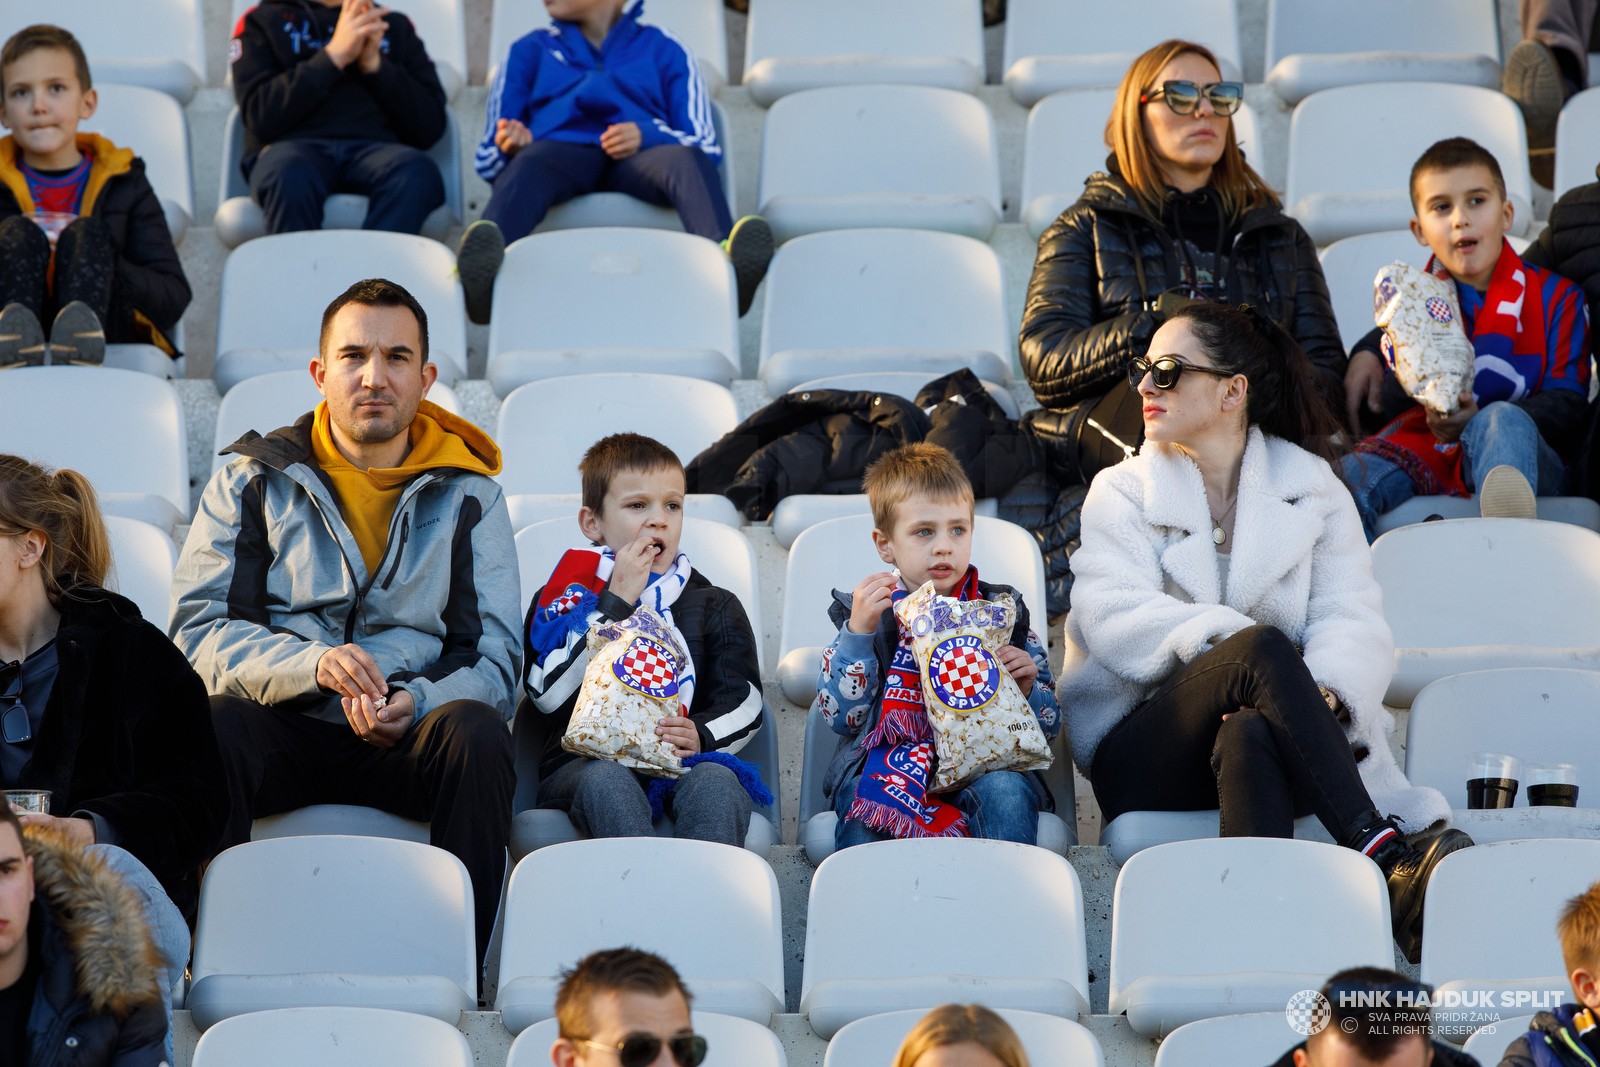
[
  {"x": 750, "y": 248},
  {"x": 1533, "y": 80},
  {"x": 76, "y": 337},
  {"x": 21, "y": 339},
  {"x": 1506, "y": 494},
  {"x": 478, "y": 260}
]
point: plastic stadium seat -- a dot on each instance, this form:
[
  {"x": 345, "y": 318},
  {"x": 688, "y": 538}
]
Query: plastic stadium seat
[
  {"x": 158, "y": 44},
  {"x": 274, "y": 291},
  {"x": 239, "y": 218},
  {"x": 797, "y": 513},
  {"x": 529, "y": 508},
  {"x": 880, "y": 155},
  {"x": 1488, "y": 1045},
  {"x": 290, "y": 923},
  {"x": 608, "y": 299},
  {"x": 1313, "y": 46},
  {"x": 1577, "y": 510},
  {"x": 142, "y": 561},
  {"x": 1066, "y": 142},
  {"x": 1052, "y": 45},
  {"x": 1335, "y": 193},
  {"x": 699, "y": 24},
  {"x": 440, "y": 23},
  {"x": 792, "y": 45},
  {"x": 1049, "y": 1040},
  {"x": 351, "y": 820},
  {"x": 884, "y": 300},
  {"x": 122, "y": 429},
  {"x": 1578, "y": 141},
  {"x": 151, "y": 123},
  {"x": 901, "y": 383},
  {"x": 606, "y": 893},
  {"x": 838, "y": 553},
  {"x": 332, "y": 1037},
  {"x": 1229, "y": 1040},
  {"x": 1173, "y": 962},
  {"x": 973, "y": 894},
  {"x": 268, "y": 401},
  {"x": 730, "y": 1042},
  {"x": 541, "y": 449},
  {"x": 1134, "y": 831},
  {"x": 1530, "y": 602}
]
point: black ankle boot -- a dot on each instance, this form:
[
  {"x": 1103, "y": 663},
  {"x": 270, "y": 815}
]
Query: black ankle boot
[{"x": 1407, "y": 869}]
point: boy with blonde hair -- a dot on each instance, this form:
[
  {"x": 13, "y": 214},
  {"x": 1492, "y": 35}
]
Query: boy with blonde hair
[
  {"x": 870, "y": 690},
  {"x": 1569, "y": 1036}
]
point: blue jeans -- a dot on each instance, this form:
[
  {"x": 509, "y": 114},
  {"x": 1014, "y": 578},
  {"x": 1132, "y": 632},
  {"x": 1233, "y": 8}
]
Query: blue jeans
[
  {"x": 1501, "y": 434},
  {"x": 167, "y": 928},
  {"x": 1000, "y": 806},
  {"x": 291, "y": 179}
]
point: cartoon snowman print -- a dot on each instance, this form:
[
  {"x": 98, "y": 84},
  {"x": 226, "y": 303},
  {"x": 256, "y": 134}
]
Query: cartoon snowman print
[{"x": 853, "y": 683}]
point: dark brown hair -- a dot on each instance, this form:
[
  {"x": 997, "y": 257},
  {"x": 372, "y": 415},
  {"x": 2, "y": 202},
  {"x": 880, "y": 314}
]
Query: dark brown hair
[
  {"x": 1376, "y": 1030},
  {"x": 1579, "y": 930},
  {"x": 62, "y": 506},
  {"x": 610, "y": 456},
  {"x": 612, "y": 970},
  {"x": 376, "y": 293},
  {"x": 912, "y": 470},
  {"x": 1453, "y": 152},
  {"x": 32, "y": 38}
]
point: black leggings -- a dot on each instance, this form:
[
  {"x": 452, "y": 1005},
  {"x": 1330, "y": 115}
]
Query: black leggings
[
  {"x": 86, "y": 269},
  {"x": 1283, "y": 756}
]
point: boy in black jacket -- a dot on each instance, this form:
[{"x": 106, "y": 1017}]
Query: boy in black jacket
[
  {"x": 84, "y": 244},
  {"x": 337, "y": 98},
  {"x": 1569, "y": 1036}
]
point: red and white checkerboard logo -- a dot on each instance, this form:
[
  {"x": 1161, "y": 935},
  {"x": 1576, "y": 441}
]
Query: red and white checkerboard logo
[
  {"x": 1439, "y": 310},
  {"x": 567, "y": 601},
  {"x": 647, "y": 668},
  {"x": 962, "y": 674}
]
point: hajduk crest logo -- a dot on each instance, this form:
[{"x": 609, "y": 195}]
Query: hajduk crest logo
[
  {"x": 962, "y": 674},
  {"x": 647, "y": 668},
  {"x": 1439, "y": 310}
]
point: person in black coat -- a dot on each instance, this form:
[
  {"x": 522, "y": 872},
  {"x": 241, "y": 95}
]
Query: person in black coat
[{"x": 1370, "y": 1015}]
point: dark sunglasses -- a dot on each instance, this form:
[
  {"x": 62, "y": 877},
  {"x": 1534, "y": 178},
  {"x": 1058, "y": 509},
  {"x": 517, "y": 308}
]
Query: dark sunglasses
[
  {"x": 14, "y": 725},
  {"x": 1184, "y": 96},
  {"x": 641, "y": 1050},
  {"x": 1165, "y": 371}
]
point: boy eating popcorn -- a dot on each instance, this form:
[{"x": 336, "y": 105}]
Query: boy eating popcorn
[
  {"x": 632, "y": 517},
  {"x": 870, "y": 690}
]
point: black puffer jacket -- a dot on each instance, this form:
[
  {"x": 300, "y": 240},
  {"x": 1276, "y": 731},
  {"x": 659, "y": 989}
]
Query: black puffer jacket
[
  {"x": 1091, "y": 300},
  {"x": 1570, "y": 245}
]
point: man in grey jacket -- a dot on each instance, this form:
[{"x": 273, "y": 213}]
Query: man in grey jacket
[{"x": 348, "y": 592}]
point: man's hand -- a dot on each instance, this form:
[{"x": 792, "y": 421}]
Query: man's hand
[
  {"x": 350, "y": 672},
  {"x": 1363, "y": 380},
  {"x": 632, "y": 572},
  {"x": 383, "y": 726},
  {"x": 1447, "y": 428},
  {"x": 871, "y": 599},
  {"x": 511, "y": 136},
  {"x": 1020, "y": 666},
  {"x": 680, "y": 733},
  {"x": 358, "y": 20},
  {"x": 622, "y": 140},
  {"x": 79, "y": 832}
]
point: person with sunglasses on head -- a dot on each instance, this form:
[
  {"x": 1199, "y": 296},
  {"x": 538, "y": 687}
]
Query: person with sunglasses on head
[
  {"x": 1376, "y": 1017},
  {"x": 626, "y": 1006},
  {"x": 1226, "y": 647}
]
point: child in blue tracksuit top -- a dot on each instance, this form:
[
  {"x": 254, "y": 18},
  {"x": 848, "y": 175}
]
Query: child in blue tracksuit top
[{"x": 597, "y": 101}]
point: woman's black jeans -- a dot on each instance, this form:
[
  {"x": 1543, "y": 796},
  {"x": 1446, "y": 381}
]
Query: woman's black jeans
[{"x": 1283, "y": 756}]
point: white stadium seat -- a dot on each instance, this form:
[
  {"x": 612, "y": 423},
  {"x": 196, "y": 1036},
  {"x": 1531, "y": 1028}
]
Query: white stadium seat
[
  {"x": 1338, "y": 193},
  {"x": 793, "y": 45},
  {"x": 901, "y": 383},
  {"x": 267, "y": 402},
  {"x": 1052, "y": 45},
  {"x": 332, "y": 1037},
  {"x": 1229, "y": 1040},
  {"x": 572, "y": 899},
  {"x": 142, "y": 561},
  {"x": 1312, "y": 46},
  {"x": 239, "y": 218},
  {"x": 441, "y": 24},
  {"x": 291, "y": 922},
  {"x": 884, "y": 300},
  {"x": 1175, "y": 959},
  {"x": 1577, "y": 510},
  {"x": 863, "y": 156},
  {"x": 275, "y": 289},
  {"x": 352, "y": 820},
  {"x": 541, "y": 440},
  {"x": 151, "y": 123},
  {"x": 1530, "y": 602},
  {"x": 1488, "y": 1045},
  {"x": 971, "y": 896},
  {"x": 1134, "y": 831},
  {"x": 158, "y": 44},
  {"x": 529, "y": 508},
  {"x": 1578, "y": 141},
  {"x": 730, "y": 1042},
  {"x": 121, "y": 429},
  {"x": 798, "y": 512},
  {"x": 1049, "y": 1040},
  {"x": 610, "y": 299},
  {"x": 699, "y": 24}
]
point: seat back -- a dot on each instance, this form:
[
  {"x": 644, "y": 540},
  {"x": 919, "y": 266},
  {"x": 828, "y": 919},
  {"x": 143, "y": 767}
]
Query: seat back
[
  {"x": 127, "y": 44},
  {"x": 730, "y": 1042},
  {"x": 1229, "y": 1040},
  {"x": 541, "y": 449},
  {"x": 1049, "y": 1040},
  {"x": 698, "y": 24},
  {"x": 1577, "y": 141},
  {"x": 1514, "y": 563},
  {"x": 295, "y": 905},
  {"x": 836, "y": 29},
  {"x": 1090, "y": 28},
  {"x": 1465, "y": 27},
  {"x": 332, "y": 1037},
  {"x": 142, "y": 561},
  {"x": 152, "y": 124}
]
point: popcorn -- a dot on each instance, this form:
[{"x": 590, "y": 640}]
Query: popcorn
[
  {"x": 630, "y": 684},
  {"x": 1423, "y": 340},
  {"x": 981, "y": 721}
]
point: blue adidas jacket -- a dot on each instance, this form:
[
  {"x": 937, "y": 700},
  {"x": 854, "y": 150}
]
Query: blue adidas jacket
[{"x": 555, "y": 83}]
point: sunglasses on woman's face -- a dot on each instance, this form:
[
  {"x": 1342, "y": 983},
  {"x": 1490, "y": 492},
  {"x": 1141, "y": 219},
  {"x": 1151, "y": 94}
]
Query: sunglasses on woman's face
[
  {"x": 1184, "y": 96},
  {"x": 641, "y": 1049},
  {"x": 1165, "y": 371}
]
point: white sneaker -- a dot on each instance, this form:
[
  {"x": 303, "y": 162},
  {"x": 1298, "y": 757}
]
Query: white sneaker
[{"x": 1505, "y": 493}]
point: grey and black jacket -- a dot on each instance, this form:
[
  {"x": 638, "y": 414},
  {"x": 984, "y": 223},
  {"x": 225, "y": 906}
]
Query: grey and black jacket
[{"x": 271, "y": 578}]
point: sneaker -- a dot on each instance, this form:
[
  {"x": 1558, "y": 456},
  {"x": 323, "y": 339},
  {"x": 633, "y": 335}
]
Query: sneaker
[
  {"x": 749, "y": 246},
  {"x": 1505, "y": 493},
  {"x": 1533, "y": 79},
  {"x": 1408, "y": 884},
  {"x": 478, "y": 259},
  {"x": 21, "y": 339},
  {"x": 76, "y": 338}
]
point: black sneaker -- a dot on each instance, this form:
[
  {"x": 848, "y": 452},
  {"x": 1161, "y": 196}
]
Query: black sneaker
[
  {"x": 749, "y": 246},
  {"x": 1408, "y": 884},
  {"x": 478, "y": 259},
  {"x": 1533, "y": 79},
  {"x": 76, "y": 339},
  {"x": 21, "y": 339}
]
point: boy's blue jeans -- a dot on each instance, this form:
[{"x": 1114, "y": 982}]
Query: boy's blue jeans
[
  {"x": 291, "y": 179},
  {"x": 1499, "y": 434},
  {"x": 1000, "y": 806}
]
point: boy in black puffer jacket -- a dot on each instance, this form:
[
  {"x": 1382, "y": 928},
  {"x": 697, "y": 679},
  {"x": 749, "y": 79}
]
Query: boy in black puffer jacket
[{"x": 1569, "y": 1036}]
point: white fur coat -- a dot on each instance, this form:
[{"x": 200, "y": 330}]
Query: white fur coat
[{"x": 1146, "y": 597}]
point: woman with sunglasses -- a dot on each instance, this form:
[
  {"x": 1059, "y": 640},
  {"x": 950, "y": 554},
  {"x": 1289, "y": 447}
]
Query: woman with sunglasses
[{"x": 1226, "y": 646}]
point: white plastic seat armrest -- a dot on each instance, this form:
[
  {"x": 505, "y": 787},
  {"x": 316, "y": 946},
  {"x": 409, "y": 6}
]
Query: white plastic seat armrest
[
  {"x": 220, "y": 996},
  {"x": 1158, "y": 1004},
  {"x": 797, "y": 673},
  {"x": 775, "y": 77}
]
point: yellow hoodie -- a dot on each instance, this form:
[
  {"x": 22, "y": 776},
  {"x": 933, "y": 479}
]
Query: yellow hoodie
[
  {"x": 106, "y": 161},
  {"x": 367, "y": 498}
]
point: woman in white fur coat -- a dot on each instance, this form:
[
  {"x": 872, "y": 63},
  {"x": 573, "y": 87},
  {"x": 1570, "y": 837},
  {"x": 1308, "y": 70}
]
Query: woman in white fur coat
[{"x": 1209, "y": 561}]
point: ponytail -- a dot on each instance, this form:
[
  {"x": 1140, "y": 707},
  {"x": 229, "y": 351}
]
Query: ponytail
[{"x": 63, "y": 507}]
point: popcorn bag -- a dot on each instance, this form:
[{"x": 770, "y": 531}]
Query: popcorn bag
[
  {"x": 1423, "y": 339},
  {"x": 981, "y": 721},
  {"x": 630, "y": 684}
]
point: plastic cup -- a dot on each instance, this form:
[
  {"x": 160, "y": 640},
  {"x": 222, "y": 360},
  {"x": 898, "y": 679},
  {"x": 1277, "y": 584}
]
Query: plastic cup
[
  {"x": 33, "y": 801},
  {"x": 1553, "y": 785},
  {"x": 1492, "y": 780}
]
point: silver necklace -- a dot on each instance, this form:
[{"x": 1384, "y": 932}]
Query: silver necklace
[{"x": 1217, "y": 536}]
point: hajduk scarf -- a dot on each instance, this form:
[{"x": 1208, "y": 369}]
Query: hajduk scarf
[
  {"x": 892, "y": 795},
  {"x": 1511, "y": 322}
]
